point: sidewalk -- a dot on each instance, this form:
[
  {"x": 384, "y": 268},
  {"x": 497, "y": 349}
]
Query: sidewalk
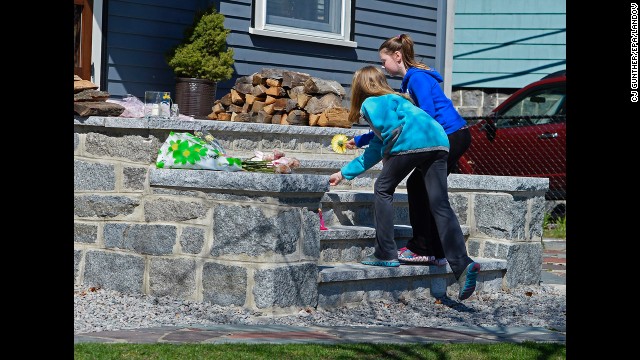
[
  {"x": 283, "y": 334},
  {"x": 554, "y": 262},
  {"x": 553, "y": 273}
]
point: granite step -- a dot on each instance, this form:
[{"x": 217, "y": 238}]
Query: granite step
[
  {"x": 355, "y": 207},
  {"x": 351, "y": 243},
  {"x": 342, "y": 284}
]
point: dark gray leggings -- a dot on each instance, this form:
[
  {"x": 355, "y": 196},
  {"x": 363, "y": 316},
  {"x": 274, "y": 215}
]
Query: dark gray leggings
[{"x": 433, "y": 166}]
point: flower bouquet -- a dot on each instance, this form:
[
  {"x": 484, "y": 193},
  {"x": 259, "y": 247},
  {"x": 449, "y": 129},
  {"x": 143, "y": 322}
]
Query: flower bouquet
[
  {"x": 276, "y": 162},
  {"x": 201, "y": 151},
  {"x": 198, "y": 152}
]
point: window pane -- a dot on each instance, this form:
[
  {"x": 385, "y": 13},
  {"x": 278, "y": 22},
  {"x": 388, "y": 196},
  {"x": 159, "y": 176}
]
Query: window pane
[
  {"x": 545, "y": 102},
  {"x": 540, "y": 103},
  {"x": 321, "y": 15}
]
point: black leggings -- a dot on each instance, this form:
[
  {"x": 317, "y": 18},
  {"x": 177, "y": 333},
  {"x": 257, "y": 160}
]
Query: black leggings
[
  {"x": 425, "y": 240},
  {"x": 432, "y": 165}
]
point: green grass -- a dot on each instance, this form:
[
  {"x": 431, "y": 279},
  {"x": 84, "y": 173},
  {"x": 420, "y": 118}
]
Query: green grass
[
  {"x": 502, "y": 351},
  {"x": 554, "y": 229}
]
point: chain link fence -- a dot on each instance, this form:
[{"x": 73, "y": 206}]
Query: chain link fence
[{"x": 519, "y": 145}]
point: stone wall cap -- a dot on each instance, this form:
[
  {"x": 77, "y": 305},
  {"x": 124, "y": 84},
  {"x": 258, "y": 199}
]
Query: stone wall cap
[
  {"x": 213, "y": 125},
  {"x": 498, "y": 183},
  {"x": 239, "y": 181}
]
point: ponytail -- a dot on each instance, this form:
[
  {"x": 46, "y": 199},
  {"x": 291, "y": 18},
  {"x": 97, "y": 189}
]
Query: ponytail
[{"x": 404, "y": 44}]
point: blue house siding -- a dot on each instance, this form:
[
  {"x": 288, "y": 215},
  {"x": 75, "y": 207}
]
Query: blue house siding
[
  {"x": 375, "y": 21},
  {"x": 138, "y": 36},
  {"x": 140, "y": 32},
  {"x": 507, "y": 44}
]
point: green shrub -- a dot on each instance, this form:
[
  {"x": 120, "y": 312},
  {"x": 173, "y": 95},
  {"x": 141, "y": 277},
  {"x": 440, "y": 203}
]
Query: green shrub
[
  {"x": 203, "y": 54},
  {"x": 554, "y": 229}
]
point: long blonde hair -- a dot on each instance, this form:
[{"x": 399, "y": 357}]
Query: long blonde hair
[
  {"x": 404, "y": 44},
  {"x": 368, "y": 81}
]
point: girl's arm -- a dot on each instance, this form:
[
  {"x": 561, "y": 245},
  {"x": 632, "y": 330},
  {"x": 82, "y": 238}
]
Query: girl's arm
[
  {"x": 371, "y": 156},
  {"x": 364, "y": 139}
]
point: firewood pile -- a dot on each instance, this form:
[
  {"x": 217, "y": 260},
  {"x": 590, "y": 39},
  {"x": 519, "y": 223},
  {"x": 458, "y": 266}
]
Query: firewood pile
[
  {"x": 89, "y": 101},
  {"x": 277, "y": 96}
]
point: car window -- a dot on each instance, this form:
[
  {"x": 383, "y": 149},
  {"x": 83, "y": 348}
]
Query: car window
[{"x": 531, "y": 109}]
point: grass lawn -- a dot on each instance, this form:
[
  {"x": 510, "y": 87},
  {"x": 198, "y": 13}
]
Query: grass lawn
[{"x": 501, "y": 351}]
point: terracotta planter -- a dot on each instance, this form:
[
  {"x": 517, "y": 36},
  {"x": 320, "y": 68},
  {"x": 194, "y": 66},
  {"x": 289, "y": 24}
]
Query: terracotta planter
[{"x": 195, "y": 97}]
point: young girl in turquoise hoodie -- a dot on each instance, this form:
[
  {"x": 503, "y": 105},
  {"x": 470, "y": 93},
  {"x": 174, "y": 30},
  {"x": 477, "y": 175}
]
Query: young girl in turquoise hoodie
[{"x": 405, "y": 138}]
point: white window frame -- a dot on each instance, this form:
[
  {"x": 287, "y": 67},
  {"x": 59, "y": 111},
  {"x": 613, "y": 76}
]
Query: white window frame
[
  {"x": 341, "y": 39},
  {"x": 96, "y": 43}
]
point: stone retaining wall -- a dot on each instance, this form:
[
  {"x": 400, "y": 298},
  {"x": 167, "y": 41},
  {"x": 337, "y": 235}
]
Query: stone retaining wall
[{"x": 246, "y": 239}]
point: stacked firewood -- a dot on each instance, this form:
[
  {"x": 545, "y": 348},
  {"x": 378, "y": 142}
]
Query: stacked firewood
[
  {"x": 89, "y": 101},
  {"x": 277, "y": 96}
]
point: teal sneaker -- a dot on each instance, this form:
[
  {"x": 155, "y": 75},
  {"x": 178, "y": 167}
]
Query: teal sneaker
[
  {"x": 467, "y": 280},
  {"x": 372, "y": 260}
]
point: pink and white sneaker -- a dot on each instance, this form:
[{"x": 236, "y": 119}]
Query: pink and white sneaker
[{"x": 407, "y": 255}]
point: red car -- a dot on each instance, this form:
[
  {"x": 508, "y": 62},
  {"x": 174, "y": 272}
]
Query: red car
[{"x": 524, "y": 136}]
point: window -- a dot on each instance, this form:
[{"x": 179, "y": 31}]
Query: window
[
  {"x": 539, "y": 103},
  {"x": 323, "y": 21}
]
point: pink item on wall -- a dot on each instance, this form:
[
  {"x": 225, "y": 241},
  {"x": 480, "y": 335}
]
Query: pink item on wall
[{"x": 322, "y": 227}]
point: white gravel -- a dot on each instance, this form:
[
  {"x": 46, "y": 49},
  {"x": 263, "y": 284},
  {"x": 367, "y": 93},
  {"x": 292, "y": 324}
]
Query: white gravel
[{"x": 537, "y": 306}]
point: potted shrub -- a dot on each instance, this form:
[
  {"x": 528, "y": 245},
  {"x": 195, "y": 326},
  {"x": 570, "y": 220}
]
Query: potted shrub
[{"x": 200, "y": 62}]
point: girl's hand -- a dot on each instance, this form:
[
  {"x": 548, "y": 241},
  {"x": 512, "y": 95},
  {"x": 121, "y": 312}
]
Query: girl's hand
[
  {"x": 335, "y": 178},
  {"x": 351, "y": 144}
]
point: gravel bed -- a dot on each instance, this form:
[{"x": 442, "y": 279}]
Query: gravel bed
[{"x": 538, "y": 306}]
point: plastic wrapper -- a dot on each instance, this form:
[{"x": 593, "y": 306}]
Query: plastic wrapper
[
  {"x": 188, "y": 151},
  {"x": 133, "y": 107}
]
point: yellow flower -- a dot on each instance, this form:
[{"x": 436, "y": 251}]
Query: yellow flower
[{"x": 339, "y": 143}]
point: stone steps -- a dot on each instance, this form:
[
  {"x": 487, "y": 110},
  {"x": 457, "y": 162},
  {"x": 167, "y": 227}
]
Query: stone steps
[{"x": 350, "y": 236}]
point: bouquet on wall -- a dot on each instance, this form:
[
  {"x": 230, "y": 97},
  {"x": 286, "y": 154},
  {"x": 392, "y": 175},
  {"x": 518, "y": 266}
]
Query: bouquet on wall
[
  {"x": 189, "y": 151},
  {"x": 276, "y": 162},
  {"x": 199, "y": 151}
]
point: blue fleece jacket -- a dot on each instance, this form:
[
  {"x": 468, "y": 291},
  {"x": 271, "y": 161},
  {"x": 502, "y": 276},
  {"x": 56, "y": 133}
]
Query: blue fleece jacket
[
  {"x": 399, "y": 127},
  {"x": 423, "y": 87}
]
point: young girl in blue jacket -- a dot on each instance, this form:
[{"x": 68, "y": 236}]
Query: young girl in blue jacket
[
  {"x": 405, "y": 138},
  {"x": 422, "y": 84}
]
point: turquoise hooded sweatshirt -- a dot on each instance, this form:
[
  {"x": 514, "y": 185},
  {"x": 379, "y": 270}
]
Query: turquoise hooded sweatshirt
[{"x": 400, "y": 127}]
